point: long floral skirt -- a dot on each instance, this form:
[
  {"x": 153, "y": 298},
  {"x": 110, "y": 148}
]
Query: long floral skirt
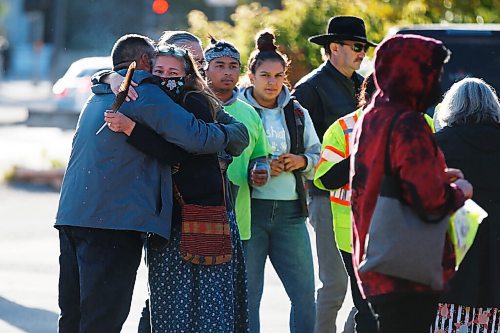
[
  {"x": 453, "y": 318},
  {"x": 197, "y": 298}
]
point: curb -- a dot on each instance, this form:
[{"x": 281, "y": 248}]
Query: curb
[
  {"x": 54, "y": 118},
  {"x": 51, "y": 177}
]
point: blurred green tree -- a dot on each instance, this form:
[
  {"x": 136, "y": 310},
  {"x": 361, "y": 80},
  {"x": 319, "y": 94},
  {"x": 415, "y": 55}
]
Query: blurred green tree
[{"x": 295, "y": 21}]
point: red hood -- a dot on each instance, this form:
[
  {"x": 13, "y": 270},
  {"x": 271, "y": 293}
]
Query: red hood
[{"x": 409, "y": 56}]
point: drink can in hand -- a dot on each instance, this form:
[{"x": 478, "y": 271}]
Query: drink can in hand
[{"x": 262, "y": 171}]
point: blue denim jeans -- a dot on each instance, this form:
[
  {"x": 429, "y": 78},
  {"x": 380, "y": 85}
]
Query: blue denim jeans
[
  {"x": 279, "y": 231},
  {"x": 97, "y": 276}
]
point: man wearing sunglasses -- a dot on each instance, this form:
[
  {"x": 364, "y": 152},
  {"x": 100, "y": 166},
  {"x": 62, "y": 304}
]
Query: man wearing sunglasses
[{"x": 329, "y": 92}]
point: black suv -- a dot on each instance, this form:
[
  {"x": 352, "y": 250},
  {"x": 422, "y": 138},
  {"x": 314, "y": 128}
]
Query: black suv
[{"x": 475, "y": 50}]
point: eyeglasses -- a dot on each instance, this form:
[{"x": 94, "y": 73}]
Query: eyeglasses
[
  {"x": 171, "y": 51},
  {"x": 357, "y": 47},
  {"x": 176, "y": 52}
]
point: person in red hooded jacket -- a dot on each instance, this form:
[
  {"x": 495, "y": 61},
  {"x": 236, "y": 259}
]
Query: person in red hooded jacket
[{"x": 407, "y": 74}]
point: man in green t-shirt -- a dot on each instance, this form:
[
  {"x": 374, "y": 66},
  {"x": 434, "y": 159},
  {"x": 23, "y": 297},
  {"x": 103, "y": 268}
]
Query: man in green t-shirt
[{"x": 222, "y": 73}]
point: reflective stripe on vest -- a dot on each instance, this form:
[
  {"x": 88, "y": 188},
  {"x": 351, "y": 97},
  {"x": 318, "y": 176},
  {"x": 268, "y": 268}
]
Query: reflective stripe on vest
[
  {"x": 332, "y": 154},
  {"x": 341, "y": 196},
  {"x": 347, "y": 125}
]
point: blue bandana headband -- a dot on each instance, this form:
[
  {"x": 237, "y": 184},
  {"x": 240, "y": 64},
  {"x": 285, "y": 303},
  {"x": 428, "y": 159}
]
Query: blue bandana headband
[{"x": 221, "y": 49}]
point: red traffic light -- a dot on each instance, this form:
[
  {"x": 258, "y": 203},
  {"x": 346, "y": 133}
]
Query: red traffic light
[{"x": 160, "y": 6}]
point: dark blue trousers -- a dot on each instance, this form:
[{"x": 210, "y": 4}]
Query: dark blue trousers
[{"x": 98, "y": 268}]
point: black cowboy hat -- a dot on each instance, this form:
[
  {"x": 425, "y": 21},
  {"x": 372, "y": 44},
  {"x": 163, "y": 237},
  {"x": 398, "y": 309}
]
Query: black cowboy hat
[{"x": 343, "y": 28}]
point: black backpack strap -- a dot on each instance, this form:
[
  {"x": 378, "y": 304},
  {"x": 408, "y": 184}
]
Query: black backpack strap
[
  {"x": 294, "y": 118},
  {"x": 295, "y": 122}
]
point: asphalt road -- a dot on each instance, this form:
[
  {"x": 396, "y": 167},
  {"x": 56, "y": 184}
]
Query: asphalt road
[
  {"x": 29, "y": 262},
  {"x": 29, "y": 243},
  {"x": 29, "y": 268}
]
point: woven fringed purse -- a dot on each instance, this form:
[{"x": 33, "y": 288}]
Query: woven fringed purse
[{"x": 205, "y": 233}]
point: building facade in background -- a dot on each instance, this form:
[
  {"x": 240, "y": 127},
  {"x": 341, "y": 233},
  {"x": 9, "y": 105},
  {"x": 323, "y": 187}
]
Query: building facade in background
[{"x": 45, "y": 36}]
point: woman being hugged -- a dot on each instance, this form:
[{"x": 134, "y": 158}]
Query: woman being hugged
[
  {"x": 187, "y": 297},
  {"x": 279, "y": 207}
]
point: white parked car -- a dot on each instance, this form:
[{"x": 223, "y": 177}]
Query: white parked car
[{"x": 73, "y": 89}]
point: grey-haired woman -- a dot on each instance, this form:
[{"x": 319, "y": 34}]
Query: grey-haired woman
[{"x": 470, "y": 141}]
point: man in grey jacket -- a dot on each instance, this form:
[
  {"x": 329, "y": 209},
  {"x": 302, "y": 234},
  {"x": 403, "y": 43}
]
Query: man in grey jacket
[{"x": 112, "y": 195}]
